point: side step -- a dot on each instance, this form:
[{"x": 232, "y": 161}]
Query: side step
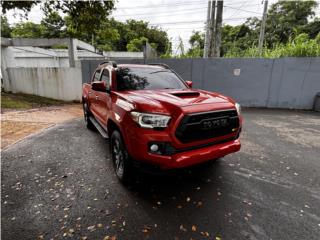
[{"x": 103, "y": 133}]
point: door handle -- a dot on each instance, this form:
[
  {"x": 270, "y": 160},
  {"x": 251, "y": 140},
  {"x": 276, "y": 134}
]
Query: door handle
[{"x": 97, "y": 97}]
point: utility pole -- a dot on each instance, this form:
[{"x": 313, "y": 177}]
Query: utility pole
[
  {"x": 212, "y": 28},
  {"x": 218, "y": 29},
  {"x": 263, "y": 26},
  {"x": 207, "y": 37}
]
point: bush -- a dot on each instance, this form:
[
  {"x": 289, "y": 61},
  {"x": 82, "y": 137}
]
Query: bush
[{"x": 300, "y": 46}]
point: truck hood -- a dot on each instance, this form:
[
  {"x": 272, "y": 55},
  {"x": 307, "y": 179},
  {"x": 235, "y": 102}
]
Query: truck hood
[{"x": 168, "y": 98}]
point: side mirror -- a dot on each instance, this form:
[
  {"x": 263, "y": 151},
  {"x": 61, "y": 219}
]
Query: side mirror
[
  {"x": 189, "y": 83},
  {"x": 99, "y": 86}
]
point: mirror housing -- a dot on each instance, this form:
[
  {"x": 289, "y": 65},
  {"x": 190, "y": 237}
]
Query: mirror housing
[
  {"x": 99, "y": 86},
  {"x": 189, "y": 83}
]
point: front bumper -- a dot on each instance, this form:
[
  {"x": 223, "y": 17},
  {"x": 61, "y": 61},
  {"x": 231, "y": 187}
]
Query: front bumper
[
  {"x": 197, "y": 156},
  {"x": 137, "y": 145}
]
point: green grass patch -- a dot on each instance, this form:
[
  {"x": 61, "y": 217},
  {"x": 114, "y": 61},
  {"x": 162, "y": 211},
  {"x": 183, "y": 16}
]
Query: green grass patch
[{"x": 27, "y": 101}]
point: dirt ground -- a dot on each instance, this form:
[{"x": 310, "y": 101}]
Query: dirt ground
[{"x": 17, "y": 124}]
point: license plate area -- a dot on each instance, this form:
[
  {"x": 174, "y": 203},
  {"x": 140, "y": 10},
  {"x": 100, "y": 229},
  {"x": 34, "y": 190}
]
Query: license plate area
[{"x": 214, "y": 123}]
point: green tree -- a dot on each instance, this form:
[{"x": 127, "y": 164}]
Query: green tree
[
  {"x": 107, "y": 37},
  {"x": 84, "y": 18},
  {"x": 53, "y": 26},
  {"x": 238, "y": 38},
  {"x": 136, "y": 45},
  {"x": 5, "y": 27},
  {"x": 197, "y": 44},
  {"x": 311, "y": 28},
  {"x": 22, "y": 5},
  {"x": 26, "y": 30},
  {"x": 284, "y": 17},
  {"x": 133, "y": 29},
  {"x": 285, "y": 20}
]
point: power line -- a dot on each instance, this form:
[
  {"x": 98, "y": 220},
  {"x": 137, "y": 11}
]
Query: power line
[
  {"x": 188, "y": 9},
  {"x": 195, "y": 21},
  {"x": 167, "y": 13},
  {"x": 238, "y": 9},
  {"x": 184, "y": 22},
  {"x": 243, "y": 10}
]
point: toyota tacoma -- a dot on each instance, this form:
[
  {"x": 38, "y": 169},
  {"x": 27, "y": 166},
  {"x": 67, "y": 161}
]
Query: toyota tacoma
[{"x": 152, "y": 117}]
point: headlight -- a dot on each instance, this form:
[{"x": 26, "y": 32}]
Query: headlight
[
  {"x": 148, "y": 120},
  {"x": 238, "y": 107}
]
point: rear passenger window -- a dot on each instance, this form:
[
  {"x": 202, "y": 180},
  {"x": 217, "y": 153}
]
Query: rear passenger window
[{"x": 96, "y": 77}]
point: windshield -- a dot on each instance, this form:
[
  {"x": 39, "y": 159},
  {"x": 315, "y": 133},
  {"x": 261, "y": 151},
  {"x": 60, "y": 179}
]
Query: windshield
[{"x": 139, "y": 78}]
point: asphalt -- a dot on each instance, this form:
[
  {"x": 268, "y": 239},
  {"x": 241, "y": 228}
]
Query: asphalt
[{"x": 60, "y": 184}]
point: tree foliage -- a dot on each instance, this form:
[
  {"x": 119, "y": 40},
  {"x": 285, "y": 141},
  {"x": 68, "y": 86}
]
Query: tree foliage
[
  {"x": 299, "y": 46},
  {"x": 133, "y": 29},
  {"x": 197, "y": 44},
  {"x": 89, "y": 21},
  {"x": 136, "y": 44},
  {"x": 22, "y": 5},
  {"x": 285, "y": 17},
  {"x": 53, "y": 26},
  {"x": 26, "y": 30},
  {"x": 84, "y": 18},
  {"x": 286, "y": 20},
  {"x": 5, "y": 27}
]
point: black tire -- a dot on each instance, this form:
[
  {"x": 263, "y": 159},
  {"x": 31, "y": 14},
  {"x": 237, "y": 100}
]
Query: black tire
[
  {"x": 120, "y": 158},
  {"x": 86, "y": 115}
]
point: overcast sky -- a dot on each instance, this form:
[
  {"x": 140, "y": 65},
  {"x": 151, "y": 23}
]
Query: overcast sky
[{"x": 178, "y": 17}]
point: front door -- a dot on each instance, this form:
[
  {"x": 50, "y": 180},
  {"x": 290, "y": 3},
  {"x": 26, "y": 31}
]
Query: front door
[
  {"x": 103, "y": 100},
  {"x": 92, "y": 94}
]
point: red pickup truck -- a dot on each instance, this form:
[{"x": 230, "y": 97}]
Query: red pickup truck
[{"x": 152, "y": 117}]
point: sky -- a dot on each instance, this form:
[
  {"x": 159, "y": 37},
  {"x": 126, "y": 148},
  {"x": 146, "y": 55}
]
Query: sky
[{"x": 178, "y": 17}]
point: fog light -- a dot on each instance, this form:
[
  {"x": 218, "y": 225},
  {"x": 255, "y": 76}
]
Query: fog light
[{"x": 154, "y": 147}]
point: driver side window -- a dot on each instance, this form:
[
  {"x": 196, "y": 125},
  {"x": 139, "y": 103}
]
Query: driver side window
[
  {"x": 105, "y": 76},
  {"x": 96, "y": 76}
]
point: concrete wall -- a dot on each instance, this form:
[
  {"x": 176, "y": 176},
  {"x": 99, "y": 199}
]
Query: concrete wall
[
  {"x": 39, "y": 57},
  {"x": 58, "y": 83},
  {"x": 253, "y": 82}
]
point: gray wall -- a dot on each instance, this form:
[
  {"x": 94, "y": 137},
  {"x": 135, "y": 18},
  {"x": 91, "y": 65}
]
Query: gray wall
[
  {"x": 277, "y": 83},
  {"x": 58, "y": 83}
]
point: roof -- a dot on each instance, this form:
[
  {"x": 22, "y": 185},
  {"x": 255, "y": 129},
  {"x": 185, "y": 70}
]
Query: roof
[
  {"x": 139, "y": 65},
  {"x": 132, "y": 65}
]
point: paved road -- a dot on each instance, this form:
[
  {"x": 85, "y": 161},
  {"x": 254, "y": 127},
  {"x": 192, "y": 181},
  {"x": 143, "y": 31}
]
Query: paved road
[{"x": 60, "y": 184}]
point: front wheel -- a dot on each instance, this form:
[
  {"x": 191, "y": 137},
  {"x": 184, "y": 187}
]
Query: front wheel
[
  {"x": 120, "y": 157},
  {"x": 86, "y": 115}
]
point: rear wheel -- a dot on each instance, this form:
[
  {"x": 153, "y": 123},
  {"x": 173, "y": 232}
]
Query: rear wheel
[
  {"x": 86, "y": 115},
  {"x": 120, "y": 157}
]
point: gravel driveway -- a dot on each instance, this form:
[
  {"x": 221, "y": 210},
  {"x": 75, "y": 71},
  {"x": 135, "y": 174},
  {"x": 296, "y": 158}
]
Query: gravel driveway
[{"x": 59, "y": 184}]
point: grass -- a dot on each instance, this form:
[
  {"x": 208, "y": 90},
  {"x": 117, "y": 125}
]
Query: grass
[{"x": 26, "y": 101}]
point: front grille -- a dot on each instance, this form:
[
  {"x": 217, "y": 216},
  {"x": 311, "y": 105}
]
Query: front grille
[{"x": 201, "y": 126}]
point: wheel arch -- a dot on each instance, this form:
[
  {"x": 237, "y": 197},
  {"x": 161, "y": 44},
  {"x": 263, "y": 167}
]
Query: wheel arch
[{"x": 111, "y": 126}]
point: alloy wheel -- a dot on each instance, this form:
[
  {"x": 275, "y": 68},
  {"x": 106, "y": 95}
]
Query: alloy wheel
[{"x": 118, "y": 158}]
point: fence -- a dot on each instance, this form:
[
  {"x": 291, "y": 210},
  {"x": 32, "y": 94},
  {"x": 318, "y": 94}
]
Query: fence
[{"x": 253, "y": 82}]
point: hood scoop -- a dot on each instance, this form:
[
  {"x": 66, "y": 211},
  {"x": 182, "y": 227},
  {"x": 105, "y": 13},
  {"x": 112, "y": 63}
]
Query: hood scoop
[{"x": 186, "y": 94}]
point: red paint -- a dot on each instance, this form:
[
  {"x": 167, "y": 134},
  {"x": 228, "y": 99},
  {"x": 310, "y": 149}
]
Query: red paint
[{"x": 116, "y": 106}]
